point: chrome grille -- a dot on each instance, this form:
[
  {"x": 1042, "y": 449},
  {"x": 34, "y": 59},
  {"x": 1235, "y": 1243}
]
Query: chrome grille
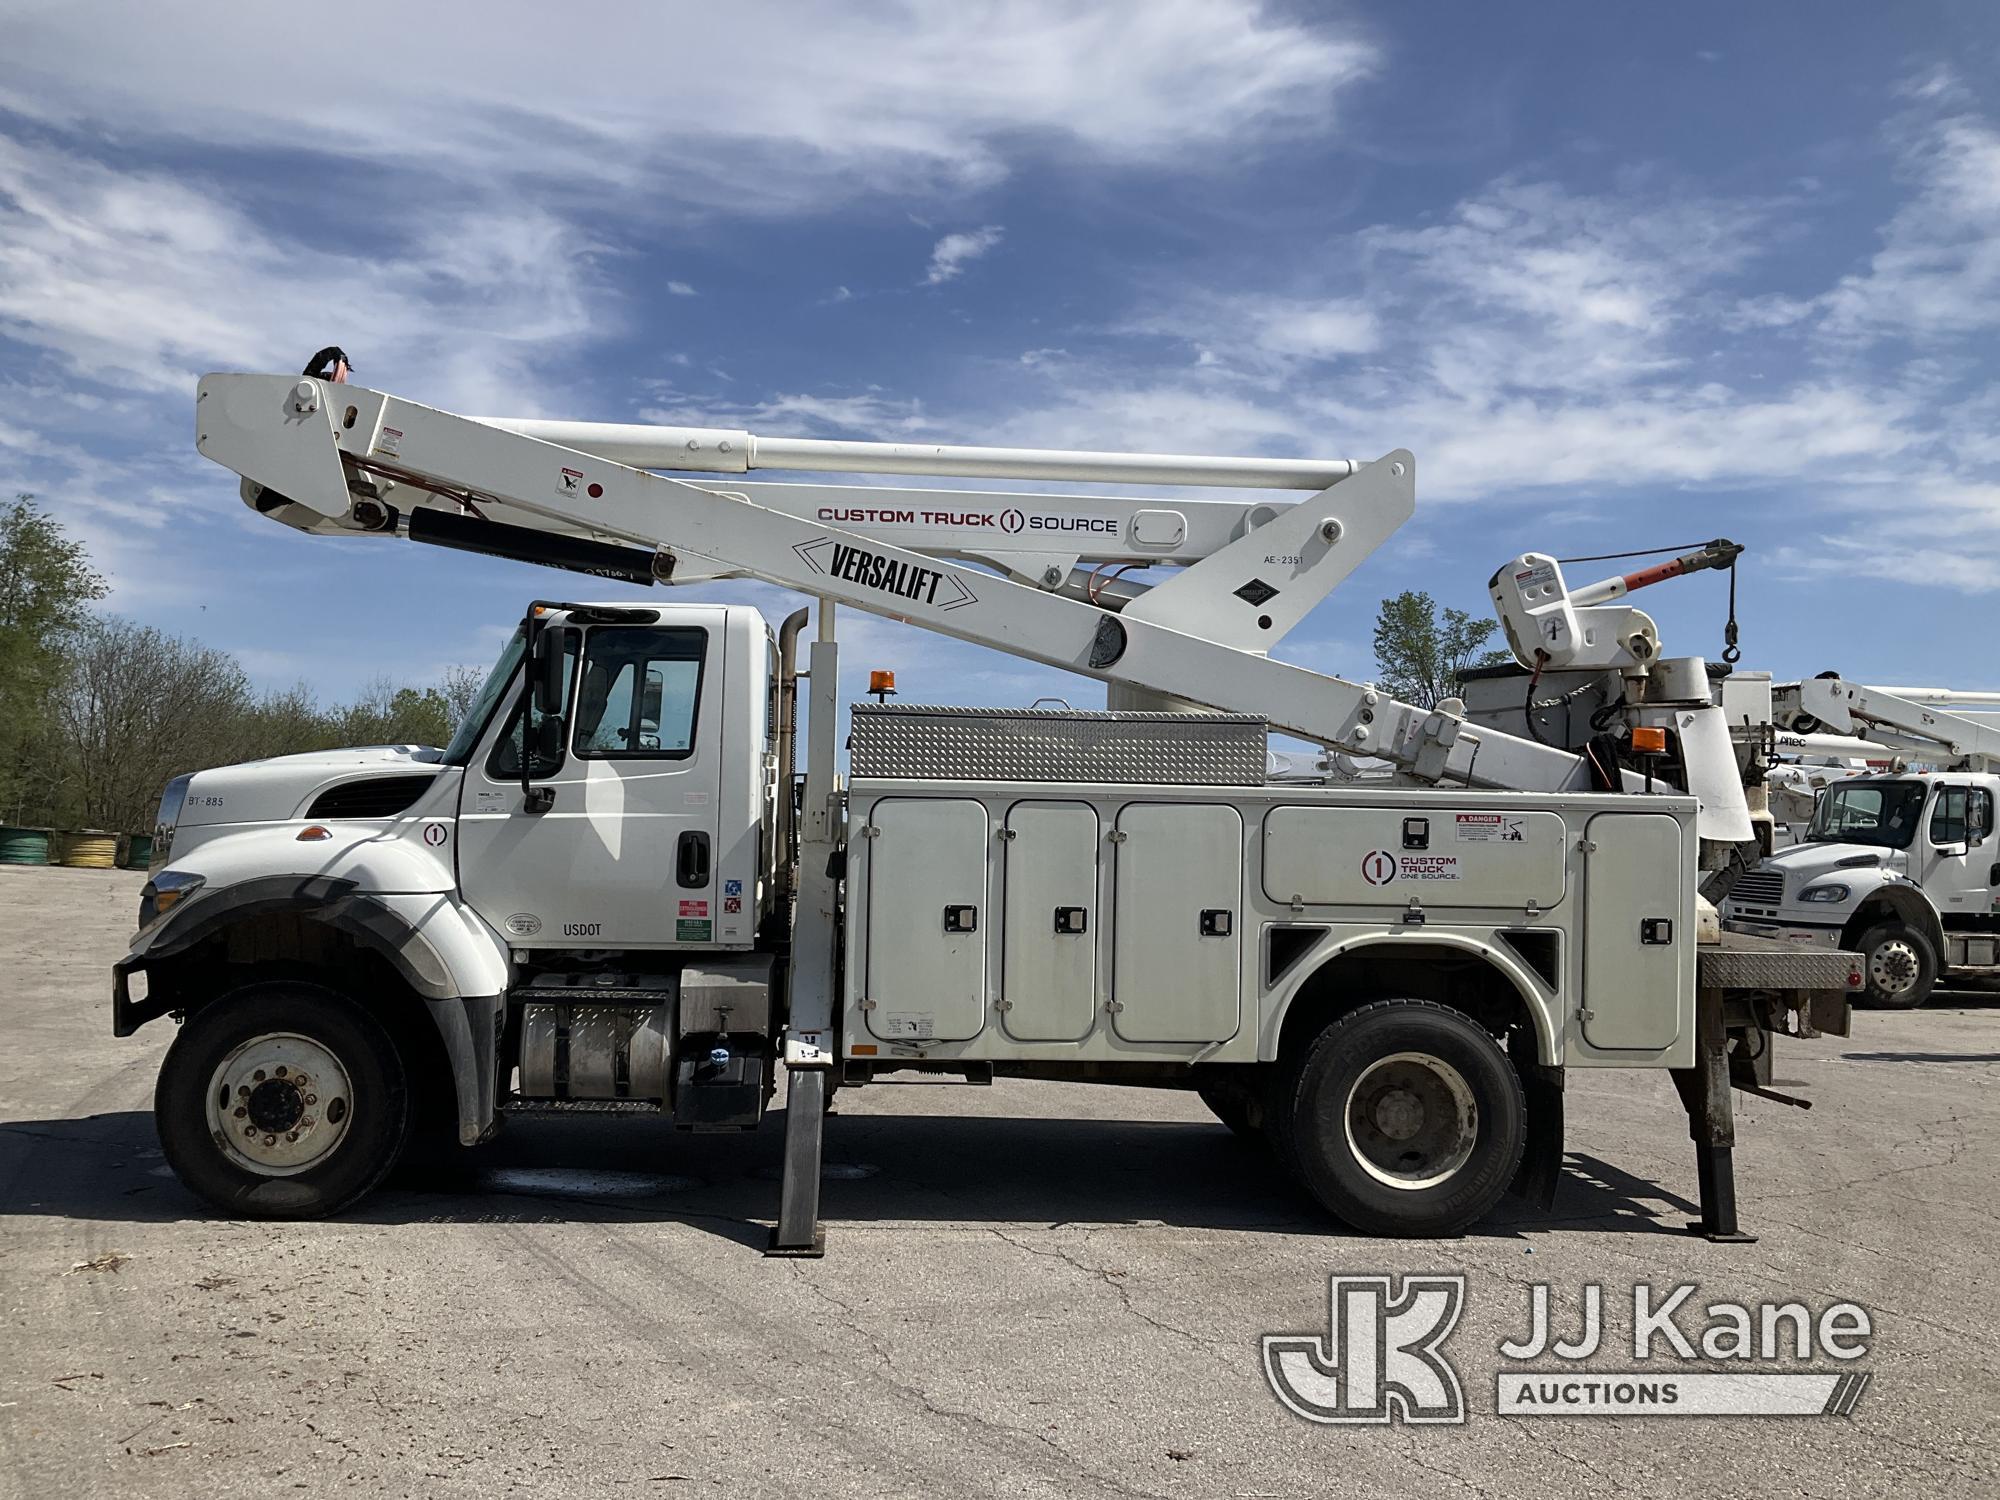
[{"x": 1759, "y": 888}]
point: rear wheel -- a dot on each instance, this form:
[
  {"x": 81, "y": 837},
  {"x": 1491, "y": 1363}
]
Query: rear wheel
[
  {"x": 1403, "y": 1118},
  {"x": 282, "y": 1101},
  {"x": 1898, "y": 967}
]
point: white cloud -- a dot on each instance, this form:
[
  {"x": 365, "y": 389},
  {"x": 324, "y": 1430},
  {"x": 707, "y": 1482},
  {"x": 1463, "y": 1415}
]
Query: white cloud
[
  {"x": 952, "y": 254},
  {"x": 902, "y": 94},
  {"x": 140, "y": 281},
  {"x": 1937, "y": 275},
  {"x": 680, "y": 289}
]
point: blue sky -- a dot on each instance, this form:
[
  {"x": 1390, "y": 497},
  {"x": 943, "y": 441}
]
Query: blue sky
[{"x": 1619, "y": 276}]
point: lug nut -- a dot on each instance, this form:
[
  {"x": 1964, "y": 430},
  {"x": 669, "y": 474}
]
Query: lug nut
[
  {"x": 292, "y": 1136},
  {"x": 281, "y": 1070},
  {"x": 258, "y": 1076},
  {"x": 312, "y": 1098},
  {"x": 250, "y": 1130},
  {"x": 270, "y": 1140},
  {"x": 241, "y": 1111}
]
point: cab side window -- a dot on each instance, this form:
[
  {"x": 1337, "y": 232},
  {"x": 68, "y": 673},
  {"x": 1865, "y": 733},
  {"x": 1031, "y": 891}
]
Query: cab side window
[
  {"x": 504, "y": 764},
  {"x": 1948, "y": 818},
  {"x": 1978, "y": 813},
  {"x": 641, "y": 693}
]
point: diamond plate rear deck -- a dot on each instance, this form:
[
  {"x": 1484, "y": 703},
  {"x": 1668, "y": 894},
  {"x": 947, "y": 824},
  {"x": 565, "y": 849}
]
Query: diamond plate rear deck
[
  {"x": 908, "y": 741},
  {"x": 1746, "y": 962}
]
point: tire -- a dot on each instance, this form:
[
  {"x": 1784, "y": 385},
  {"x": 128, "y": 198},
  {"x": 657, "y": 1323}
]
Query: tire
[
  {"x": 1403, "y": 1118},
  {"x": 308, "y": 1150},
  {"x": 1235, "y": 1106},
  {"x": 1898, "y": 967}
]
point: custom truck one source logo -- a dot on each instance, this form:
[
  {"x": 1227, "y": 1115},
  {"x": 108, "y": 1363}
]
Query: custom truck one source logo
[{"x": 1382, "y": 1357}]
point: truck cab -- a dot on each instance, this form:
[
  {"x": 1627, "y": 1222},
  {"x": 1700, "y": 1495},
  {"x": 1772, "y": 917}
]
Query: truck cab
[{"x": 1903, "y": 870}]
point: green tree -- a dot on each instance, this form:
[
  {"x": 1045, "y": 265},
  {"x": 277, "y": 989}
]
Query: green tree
[
  {"x": 1423, "y": 653},
  {"x": 46, "y": 589}
]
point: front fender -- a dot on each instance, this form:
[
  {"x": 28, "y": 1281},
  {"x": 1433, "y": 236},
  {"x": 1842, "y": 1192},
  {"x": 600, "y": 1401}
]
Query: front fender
[
  {"x": 444, "y": 951},
  {"x": 1910, "y": 906}
]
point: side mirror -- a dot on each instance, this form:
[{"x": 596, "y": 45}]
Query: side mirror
[
  {"x": 1953, "y": 851},
  {"x": 545, "y": 672}
]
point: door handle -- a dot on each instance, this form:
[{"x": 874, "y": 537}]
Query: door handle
[{"x": 691, "y": 860}]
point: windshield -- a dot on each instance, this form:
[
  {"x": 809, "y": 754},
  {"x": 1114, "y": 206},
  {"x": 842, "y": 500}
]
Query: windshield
[
  {"x": 459, "y": 751},
  {"x": 1869, "y": 812}
]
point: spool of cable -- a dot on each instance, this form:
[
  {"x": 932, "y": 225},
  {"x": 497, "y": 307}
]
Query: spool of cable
[
  {"x": 87, "y": 849},
  {"x": 23, "y": 846}
]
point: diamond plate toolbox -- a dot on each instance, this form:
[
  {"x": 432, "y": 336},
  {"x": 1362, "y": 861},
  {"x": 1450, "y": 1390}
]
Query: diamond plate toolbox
[{"x": 910, "y": 742}]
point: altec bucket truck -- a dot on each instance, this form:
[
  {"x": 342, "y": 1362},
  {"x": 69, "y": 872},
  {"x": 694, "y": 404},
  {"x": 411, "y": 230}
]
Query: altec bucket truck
[
  {"x": 1900, "y": 868},
  {"x": 605, "y": 894}
]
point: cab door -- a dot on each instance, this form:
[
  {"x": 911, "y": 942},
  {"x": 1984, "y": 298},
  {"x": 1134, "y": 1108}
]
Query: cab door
[
  {"x": 624, "y": 856},
  {"x": 1958, "y": 851}
]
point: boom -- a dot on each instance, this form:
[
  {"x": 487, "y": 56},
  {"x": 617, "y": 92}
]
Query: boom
[
  {"x": 1896, "y": 722},
  {"x": 344, "y": 459}
]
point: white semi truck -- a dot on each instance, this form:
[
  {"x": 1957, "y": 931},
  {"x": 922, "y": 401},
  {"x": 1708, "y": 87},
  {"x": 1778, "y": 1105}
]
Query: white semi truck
[
  {"x": 1899, "y": 868},
  {"x": 610, "y": 891}
]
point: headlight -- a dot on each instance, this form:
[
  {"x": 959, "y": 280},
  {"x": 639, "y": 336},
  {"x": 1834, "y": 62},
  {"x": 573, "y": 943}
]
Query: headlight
[
  {"x": 1824, "y": 893},
  {"x": 163, "y": 893}
]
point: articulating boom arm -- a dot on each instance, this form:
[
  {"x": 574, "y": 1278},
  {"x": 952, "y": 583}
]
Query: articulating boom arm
[
  {"x": 1957, "y": 742},
  {"x": 341, "y": 458}
]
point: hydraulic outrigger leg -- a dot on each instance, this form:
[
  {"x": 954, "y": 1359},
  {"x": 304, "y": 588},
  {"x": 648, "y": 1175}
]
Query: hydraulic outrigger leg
[{"x": 1704, "y": 1091}]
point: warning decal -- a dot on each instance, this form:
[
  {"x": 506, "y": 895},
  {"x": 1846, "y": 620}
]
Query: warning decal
[
  {"x": 1489, "y": 828},
  {"x": 694, "y": 908}
]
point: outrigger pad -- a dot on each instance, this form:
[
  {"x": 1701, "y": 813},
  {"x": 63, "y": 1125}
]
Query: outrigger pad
[{"x": 814, "y": 1251}]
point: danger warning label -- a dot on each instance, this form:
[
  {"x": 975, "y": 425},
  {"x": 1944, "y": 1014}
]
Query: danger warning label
[{"x": 1489, "y": 828}]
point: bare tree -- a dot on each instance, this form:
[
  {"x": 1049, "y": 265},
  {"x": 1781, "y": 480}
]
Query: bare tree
[{"x": 135, "y": 708}]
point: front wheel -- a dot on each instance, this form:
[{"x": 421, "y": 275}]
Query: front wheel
[
  {"x": 1898, "y": 967},
  {"x": 282, "y": 1101},
  {"x": 1403, "y": 1118}
]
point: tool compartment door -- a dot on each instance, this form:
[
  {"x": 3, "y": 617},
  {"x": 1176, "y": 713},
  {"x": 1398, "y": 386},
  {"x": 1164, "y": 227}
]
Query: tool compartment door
[
  {"x": 1636, "y": 980},
  {"x": 927, "y": 922},
  {"x": 1176, "y": 948},
  {"x": 1048, "y": 955}
]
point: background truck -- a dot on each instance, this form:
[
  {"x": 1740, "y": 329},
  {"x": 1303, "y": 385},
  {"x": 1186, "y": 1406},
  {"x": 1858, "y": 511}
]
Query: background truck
[
  {"x": 611, "y": 891},
  {"x": 1902, "y": 868}
]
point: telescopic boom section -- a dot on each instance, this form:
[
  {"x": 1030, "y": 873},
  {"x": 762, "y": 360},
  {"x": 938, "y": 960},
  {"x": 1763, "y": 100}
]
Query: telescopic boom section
[
  {"x": 320, "y": 446},
  {"x": 712, "y": 450}
]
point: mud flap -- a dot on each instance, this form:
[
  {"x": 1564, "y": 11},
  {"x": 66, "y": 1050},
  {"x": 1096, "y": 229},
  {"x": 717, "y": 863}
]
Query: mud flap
[{"x": 1542, "y": 1157}]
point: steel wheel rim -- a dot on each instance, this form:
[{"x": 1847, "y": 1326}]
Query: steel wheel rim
[
  {"x": 1893, "y": 967},
  {"x": 280, "y": 1104},
  {"x": 1411, "y": 1121}
]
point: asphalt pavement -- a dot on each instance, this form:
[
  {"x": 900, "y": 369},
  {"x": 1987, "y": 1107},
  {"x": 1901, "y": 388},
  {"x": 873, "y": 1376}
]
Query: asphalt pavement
[{"x": 1030, "y": 1289}]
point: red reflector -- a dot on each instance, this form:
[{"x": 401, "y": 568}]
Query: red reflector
[{"x": 595, "y": 491}]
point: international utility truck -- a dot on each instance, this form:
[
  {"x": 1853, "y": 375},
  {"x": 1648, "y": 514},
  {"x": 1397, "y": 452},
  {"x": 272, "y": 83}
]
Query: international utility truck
[{"x": 612, "y": 891}]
